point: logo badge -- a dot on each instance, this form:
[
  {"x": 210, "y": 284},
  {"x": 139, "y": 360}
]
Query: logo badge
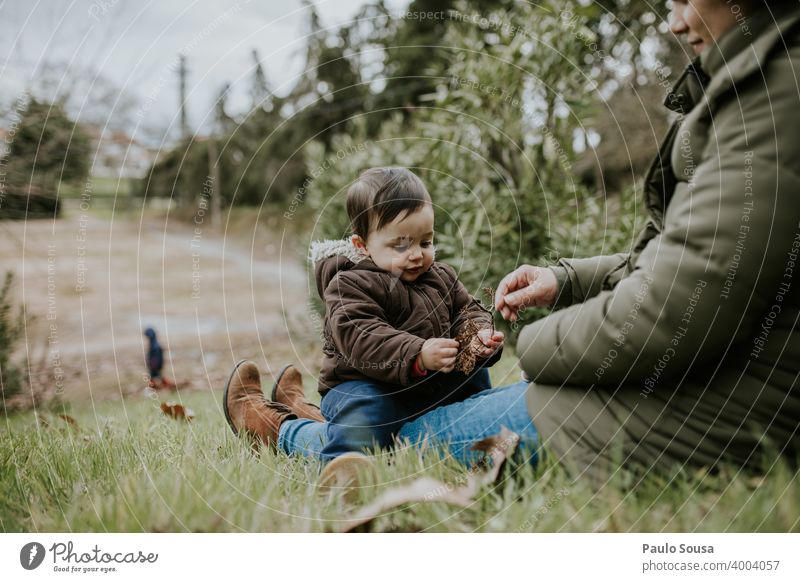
[{"x": 31, "y": 555}]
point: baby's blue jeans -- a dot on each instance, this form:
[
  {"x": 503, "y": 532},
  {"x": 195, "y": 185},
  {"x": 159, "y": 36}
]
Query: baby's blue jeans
[{"x": 362, "y": 415}]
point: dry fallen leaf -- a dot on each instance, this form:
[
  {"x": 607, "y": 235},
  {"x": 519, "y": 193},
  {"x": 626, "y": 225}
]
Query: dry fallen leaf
[
  {"x": 177, "y": 411},
  {"x": 69, "y": 420},
  {"x": 426, "y": 489},
  {"x": 44, "y": 423}
]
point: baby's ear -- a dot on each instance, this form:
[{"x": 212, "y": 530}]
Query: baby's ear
[{"x": 359, "y": 243}]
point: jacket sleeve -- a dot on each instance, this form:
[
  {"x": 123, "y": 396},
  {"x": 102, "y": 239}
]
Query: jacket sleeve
[
  {"x": 582, "y": 279},
  {"x": 465, "y": 308},
  {"x": 708, "y": 282},
  {"x": 363, "y": 337}
]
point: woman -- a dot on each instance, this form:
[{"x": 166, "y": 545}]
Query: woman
[{"x": 685, "y": 350}]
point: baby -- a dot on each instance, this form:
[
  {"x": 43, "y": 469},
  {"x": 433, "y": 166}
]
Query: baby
[
  {"x": 391, "y": 315},
  {"x": 391, "y": 318}
]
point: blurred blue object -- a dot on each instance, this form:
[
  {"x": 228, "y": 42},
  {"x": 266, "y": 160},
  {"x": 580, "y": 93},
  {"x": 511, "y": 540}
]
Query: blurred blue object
[{"x": 155, "y": 355}]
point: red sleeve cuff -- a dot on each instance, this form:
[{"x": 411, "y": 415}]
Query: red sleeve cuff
[{"x": 416, "y": 369}]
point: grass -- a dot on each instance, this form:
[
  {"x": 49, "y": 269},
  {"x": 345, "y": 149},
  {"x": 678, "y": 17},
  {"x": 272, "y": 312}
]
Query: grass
[
  {"x": 129, "y": 468},
  {"x": 98, "y": 187}
]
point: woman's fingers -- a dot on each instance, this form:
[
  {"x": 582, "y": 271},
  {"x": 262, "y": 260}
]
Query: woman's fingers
[
  {"x": 499, "y": 296},
  {"x": 520, "y": 298},
  {"x": 508, "y": 284},
  {"x": 508, "y": 299},
  {"x": 508, "y": 312}
]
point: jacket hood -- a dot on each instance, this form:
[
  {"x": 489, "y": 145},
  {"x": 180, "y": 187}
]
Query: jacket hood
[
  {"x": 324, "y": 249},
  {"x": 331, "y": 256}
]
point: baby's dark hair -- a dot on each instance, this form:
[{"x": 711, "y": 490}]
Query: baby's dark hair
[{"x": 379, "y": 195}]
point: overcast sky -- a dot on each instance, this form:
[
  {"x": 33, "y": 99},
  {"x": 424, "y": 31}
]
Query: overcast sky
[{"x": 134, "y": 45}]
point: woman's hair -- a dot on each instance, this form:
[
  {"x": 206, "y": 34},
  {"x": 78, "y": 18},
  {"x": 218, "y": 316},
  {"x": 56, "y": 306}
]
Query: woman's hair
[{"x": 379, "y": 195}]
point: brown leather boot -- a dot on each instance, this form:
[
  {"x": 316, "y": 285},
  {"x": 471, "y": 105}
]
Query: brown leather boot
[
  {"x": 289, "y": 390},
  {"x": 246, "y": 409}
]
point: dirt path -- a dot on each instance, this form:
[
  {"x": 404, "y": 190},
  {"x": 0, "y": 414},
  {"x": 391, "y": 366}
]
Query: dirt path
[{"x": 94, "y": 284}]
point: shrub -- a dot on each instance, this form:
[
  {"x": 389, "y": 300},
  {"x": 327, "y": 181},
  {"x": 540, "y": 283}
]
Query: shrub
[{"x": 12, "y": 325}]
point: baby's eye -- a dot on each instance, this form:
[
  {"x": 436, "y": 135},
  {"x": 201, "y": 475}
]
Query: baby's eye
[
  {"x": 401, "y": 247},
  {"x": 426, "y": 244}
]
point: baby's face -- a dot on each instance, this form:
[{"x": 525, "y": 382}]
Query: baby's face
[{"x": 404, "y": 247}]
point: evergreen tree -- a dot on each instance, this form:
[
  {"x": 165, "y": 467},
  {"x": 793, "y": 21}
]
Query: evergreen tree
[{"x": 47, "y": 148}]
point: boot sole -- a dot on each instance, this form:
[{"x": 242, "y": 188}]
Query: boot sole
[
  {"x": 273, "y": 395},
  {"x": 225, "y": 397}
]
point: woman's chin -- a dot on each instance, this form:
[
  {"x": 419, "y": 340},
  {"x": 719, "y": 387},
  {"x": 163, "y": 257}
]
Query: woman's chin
[{"x": 698, "y": 47}]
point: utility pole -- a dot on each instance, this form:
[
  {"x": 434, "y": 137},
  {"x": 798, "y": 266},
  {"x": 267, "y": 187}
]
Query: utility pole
[
  {"x": 219, "y": 127},
  {"x": 183, "y": 73},
  {"x": 216, "y": 189}
]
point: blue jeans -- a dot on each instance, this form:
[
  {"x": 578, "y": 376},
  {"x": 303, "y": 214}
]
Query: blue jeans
[
  {"x": 365, "y": 414},
  {"x": 452, "y": 428}
]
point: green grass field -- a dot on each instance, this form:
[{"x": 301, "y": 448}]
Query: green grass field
[{"x": 129, "y": 468}]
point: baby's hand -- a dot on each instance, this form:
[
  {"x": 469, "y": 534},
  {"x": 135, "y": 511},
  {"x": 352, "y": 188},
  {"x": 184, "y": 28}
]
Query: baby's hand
[
  {"x": 439, "y": 354},
  {"x": 486, "y": 342}
]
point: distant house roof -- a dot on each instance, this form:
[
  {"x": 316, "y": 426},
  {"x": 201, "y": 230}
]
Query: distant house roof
[{"x": 118, "y": 154}]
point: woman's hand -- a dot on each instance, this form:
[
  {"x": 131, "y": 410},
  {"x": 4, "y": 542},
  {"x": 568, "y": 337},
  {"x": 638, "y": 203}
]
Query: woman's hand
[
  {"x": 528, "y": 286},
  {"x": 486, "y": 342},
  {"x": 439, "y": 354}
]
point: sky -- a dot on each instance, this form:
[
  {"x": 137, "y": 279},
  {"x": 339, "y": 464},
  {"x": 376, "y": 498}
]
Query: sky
[{"x": 120, "y": 56}]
